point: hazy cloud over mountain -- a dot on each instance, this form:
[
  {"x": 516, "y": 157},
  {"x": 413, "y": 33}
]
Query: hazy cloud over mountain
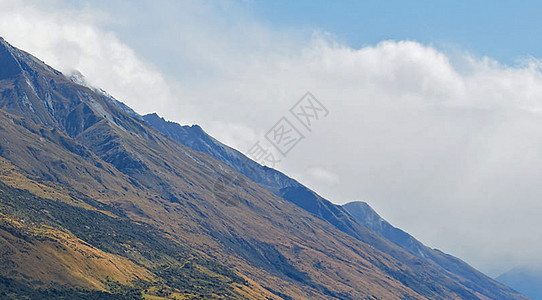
[{"x": 445, "y": 146}]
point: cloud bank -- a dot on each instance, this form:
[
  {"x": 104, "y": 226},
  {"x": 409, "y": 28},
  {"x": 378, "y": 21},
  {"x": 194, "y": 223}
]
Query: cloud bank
[{"x": 447, "y": 147}]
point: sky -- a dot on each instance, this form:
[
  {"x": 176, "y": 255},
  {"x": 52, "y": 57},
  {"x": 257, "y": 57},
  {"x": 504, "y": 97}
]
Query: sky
[
  {"x": 435, "y": 111},
  {"x": 502, "y": 30}
]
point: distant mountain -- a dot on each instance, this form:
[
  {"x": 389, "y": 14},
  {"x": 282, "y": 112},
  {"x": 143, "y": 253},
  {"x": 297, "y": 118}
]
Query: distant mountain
[
  {"x": 98, "y": 204},
  {"x": 526, "y": 280},
  {"x": 447, "y": 264}
]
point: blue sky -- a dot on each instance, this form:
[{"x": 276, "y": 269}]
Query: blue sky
[{"x": 503, "y": 30}]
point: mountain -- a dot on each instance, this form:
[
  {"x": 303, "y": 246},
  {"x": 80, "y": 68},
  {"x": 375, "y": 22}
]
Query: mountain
[
  {"x": 96, "y": 203},
  {"x": 353, "y": 218},
  {"x": 362, "y": 212},
  {"x": 526, "y": 279},
  {"x": 447, "y": 264},
  {"x": 195, "y": 138},
  {"x": 274, "y": 181}
]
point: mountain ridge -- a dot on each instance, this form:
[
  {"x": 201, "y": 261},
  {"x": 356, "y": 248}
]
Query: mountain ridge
[
  {"x": 128, "y": 190},
  {"x": 324, "y": 209}
]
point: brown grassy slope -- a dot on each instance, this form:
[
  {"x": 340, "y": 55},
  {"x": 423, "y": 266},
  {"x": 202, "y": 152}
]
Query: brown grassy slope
[
  {"x": 175, "y": 269},
  {"x": 33, "y": 252},
  {"x": 295, "y": 249}
]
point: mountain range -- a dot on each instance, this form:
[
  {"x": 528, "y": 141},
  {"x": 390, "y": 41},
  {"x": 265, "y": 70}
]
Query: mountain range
[{"x": 98, "y": 202}]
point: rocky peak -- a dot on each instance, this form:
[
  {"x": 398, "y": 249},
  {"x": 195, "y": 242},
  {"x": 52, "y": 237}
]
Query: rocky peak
[{"x": 9, "y": 66}]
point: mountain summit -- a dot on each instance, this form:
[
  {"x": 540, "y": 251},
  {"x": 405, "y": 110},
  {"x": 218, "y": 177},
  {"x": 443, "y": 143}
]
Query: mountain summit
[{"x": 97, "y": 202}]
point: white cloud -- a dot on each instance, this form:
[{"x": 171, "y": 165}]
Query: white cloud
[
  {"x": 322, "y": 176},
  {"x": 447, "y": 149},
  {"x": 72, "y": 39}
]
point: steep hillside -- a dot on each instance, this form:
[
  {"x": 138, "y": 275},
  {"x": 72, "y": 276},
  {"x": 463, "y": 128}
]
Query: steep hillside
[
  {"x": 353, "y": 218},
  {"x": 56, "y": 244},
  {"x": 197, "y": 139},
  {"x": 447, "y": 264},
  {"x": 91, "y": 175}
]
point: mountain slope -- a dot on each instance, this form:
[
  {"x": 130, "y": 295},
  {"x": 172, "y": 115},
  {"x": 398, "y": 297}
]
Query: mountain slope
[
  {"x": 79, "y": 242},
  {"x": 195, "y": 138},
  {"x": 527, "y": 280},
  {"x": 85, "y": 167},
  {"x": 203, "y": 231},
  {"x": 353, "y": 218},
  {"x": 448, "y": 264},
  {"x": 276, "y": 182}
]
